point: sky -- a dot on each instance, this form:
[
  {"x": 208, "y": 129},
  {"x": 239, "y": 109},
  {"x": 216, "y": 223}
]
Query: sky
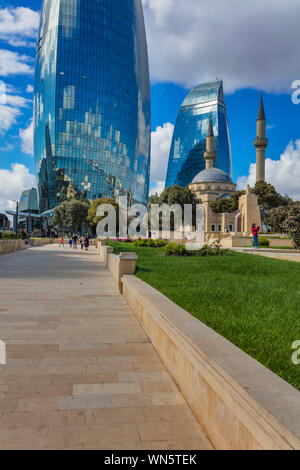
[{"x": 252, "y": 45}]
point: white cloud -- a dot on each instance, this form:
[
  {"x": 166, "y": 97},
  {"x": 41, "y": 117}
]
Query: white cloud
[
  {"x": 13, "y": 182},
  {"x": 29, "y": 89},
  {"x": 10, "y": 107},
  {"x": 13, "y": 63},
  {"x": 157, "y": 188},
  {"x": 161, "y": 140},
  {"x": 17, "y": 101},
  {"x": 284, "y": 174},
  {"x": 7, "y": 147},
  {"x": 8, "y": 117},
  {"x": 249, "y": 44},
  {"x": 19, "y": 26},
  {"x": 26, "y": 136}
]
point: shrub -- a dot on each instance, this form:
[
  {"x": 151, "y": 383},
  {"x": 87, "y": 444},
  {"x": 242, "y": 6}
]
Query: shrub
[
  {"x": 172, "y": 249},
  {"x": 140, "y": 242},
  {"x": 263, "y": 241},
  {"x": 150, "y": 243},
  {"x": 160, "y": 243},
  {"x": 10, "y": 236}
]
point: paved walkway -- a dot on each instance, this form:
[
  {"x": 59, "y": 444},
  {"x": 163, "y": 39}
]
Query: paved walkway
[
  {"x": 80, "y": 373},
  {"x": 275, "y": 254}
]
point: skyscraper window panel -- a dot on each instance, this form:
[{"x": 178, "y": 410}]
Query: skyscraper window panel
[{"x": 91, "y": 85}]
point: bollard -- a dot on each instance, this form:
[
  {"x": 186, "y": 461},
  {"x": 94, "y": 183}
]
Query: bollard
[{"x": 120, "y": 265}]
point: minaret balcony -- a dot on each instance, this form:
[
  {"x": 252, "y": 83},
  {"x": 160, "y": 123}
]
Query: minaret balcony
[{"x": 260, "y": 142}]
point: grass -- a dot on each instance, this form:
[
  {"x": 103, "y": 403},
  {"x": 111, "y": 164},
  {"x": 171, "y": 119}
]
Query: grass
[{"x": 252, "y": 301}]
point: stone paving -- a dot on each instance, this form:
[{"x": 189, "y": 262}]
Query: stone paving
[
  {"x": 80, "y": 372},
  {"x": 285, "y": 255}
]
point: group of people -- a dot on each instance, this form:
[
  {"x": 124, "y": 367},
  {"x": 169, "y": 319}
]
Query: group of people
[
  {"x": 74, "y": 240},
  {"x": 84, "y": 241}
]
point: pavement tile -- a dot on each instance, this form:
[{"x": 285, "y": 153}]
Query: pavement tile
[
  {"x": 101, "y": 435},
  {"x": 143, "y": 376},
  {"x": 169, "y": 430},
  {"x": 158, "y": 386},
  {"x": 109, "y": 377},
  {"x": 168, "y": 398},
  {"x": 37, "y": 404},
  {"x": 106, "y": 389},
  {"x": 35, "y": 419},
  {"x": 23, "y": 438},
  {"x": 190, "y": 444}
]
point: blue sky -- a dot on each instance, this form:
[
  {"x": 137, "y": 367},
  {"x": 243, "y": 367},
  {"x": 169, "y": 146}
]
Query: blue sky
[{"x": 189, "y": 42}]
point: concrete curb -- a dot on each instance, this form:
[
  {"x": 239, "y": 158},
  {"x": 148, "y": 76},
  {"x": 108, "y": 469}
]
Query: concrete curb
[{"x": 240, "y": 403}]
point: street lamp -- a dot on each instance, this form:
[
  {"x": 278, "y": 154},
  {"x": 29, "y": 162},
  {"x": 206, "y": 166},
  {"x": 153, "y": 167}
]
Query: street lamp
[{"x": 17, "y": 217}]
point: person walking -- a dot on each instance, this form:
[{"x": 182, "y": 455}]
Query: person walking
[
  {"x": 87, "y": 242},
  {"x": 255, "y": 231},
  {"x": 75, "y": 240},
  {"x": 70, "y": 242},
  {"x": 62, "y": 242},
  {"x": 23, "y": 235},
  {"x": 81, "y": 241}
]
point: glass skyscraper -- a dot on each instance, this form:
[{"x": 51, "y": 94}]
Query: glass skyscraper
[
  {"x": 189, "y": 139},
  {"x": 92, "y": 101}
]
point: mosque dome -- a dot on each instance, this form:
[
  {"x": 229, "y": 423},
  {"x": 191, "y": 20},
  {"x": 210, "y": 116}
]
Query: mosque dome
[{"x": 212, "y": 175}]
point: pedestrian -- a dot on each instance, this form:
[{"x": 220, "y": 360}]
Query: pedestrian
[
  {"x": 81, "y": 241},
  {"x": 62, "y": 242},
  {"x": 75, "y": 240},
  {"x": 255, "y": 231},
  {"x": 87, "y": 242},
  {"x": 70, "y": 242},
  {"x": 23, "y": 235}
]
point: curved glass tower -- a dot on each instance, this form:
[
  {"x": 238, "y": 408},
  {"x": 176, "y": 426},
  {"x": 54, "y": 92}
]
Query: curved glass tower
[
  {"x": 189, "y": 139},
  {"x": 92, "y": 101}
]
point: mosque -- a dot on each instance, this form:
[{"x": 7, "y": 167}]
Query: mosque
[{"x": 212, "y": 184}]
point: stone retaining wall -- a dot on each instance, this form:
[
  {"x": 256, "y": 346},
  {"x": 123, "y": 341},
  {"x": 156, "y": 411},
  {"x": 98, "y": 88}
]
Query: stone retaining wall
[
  {"x": 239, "y": 242},
  {"x": 240, "y": 403},
  {"x": 40, "y": 242},
  {"x": 9, "y": 246}
]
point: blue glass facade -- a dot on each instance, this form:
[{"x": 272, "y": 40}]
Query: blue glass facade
[
  {"x": 92, "y": 101},
  {"x": 189, "y": 139}
]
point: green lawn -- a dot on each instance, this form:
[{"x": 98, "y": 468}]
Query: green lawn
[{"x": 252, "y": 301}]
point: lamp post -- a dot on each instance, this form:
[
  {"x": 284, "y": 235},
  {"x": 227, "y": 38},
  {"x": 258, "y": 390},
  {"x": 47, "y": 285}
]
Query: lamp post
[{"x": 17, "y": 217}]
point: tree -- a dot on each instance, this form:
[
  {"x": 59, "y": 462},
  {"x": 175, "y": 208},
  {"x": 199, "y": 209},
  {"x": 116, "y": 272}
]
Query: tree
[
  {"x": 269, "y": 198},
  {"x": 4, "y": 222},
  {"x": 155, "y": 199},
  {"x": 172, "y": 196},
  {"x": 92, "y": 217},
  {"x": 178, "y": 195},
  {"x": 286, "y": 219},
  {"x": 72, "y": 214},
  {"x": 228, "y": 205}
]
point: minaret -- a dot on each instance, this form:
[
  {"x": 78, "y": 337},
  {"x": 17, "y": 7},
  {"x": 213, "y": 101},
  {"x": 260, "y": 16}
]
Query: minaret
[
  {"x": 261, "y": 143},
  {"x": 210, "y": 153}
]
